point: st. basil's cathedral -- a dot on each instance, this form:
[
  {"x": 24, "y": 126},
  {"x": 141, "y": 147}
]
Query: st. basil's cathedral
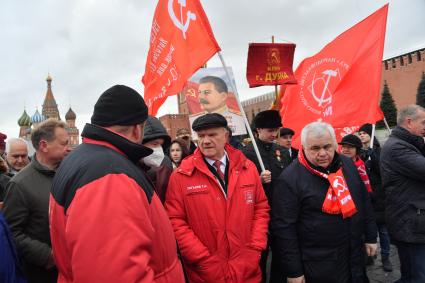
[{"x": 49, "y": 110}]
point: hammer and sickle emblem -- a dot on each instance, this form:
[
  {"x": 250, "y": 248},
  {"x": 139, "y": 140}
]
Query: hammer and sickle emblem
[
  {"x": 339, "y": 182},
  {"x": 326, "y": 96},
  {"x": 180, "y": 24},
  {"x": 362, "y": 170}
]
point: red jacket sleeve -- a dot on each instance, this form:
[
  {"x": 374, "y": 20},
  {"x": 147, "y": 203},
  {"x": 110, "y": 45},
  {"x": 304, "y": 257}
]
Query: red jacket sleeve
[
  {"x": 261, "y": 215},
  {"x": 109, "y": 233},
  {"x": 191, "y": 248}
]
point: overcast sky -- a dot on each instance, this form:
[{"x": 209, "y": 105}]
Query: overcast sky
[{"x": 90, "y": 45}]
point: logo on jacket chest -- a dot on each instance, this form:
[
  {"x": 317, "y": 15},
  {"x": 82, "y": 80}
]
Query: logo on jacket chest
[
  {"x": 249, "y": 196},
  {"x": 196, "y": 188}
]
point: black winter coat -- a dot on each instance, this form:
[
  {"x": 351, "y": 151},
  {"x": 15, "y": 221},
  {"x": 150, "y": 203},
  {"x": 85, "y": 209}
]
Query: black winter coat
[
  {"x": 371, "y": 157},
  {"x": 275, "y": 159},
  {"x": 26, "y": 209},
  {"x": 323, "y": 247},
  {"x": 403, "y": 175}
]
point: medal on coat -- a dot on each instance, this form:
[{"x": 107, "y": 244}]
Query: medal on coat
[{"x": 278, "y": 155}]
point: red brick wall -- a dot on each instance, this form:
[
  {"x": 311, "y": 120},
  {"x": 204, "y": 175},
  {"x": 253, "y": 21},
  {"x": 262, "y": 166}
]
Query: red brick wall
[
  {"x": 403, "y": 80},
  {"x": 173, "y": 122}
]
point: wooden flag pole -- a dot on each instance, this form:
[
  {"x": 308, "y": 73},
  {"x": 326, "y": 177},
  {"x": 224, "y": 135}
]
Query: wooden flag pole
[
  {"x": 248, "y": 127},
  {"x": 275, "y": 86}
]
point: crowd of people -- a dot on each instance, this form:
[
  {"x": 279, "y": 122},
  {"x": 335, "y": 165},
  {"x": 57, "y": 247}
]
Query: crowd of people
[{"x": 132, "y": 205}]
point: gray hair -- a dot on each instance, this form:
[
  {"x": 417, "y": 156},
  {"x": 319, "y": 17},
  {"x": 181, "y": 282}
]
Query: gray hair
[
  {"x": 318, "y": 129},
  {"x": 12, "y": 141},
  {"x": 410, "y": 111}
]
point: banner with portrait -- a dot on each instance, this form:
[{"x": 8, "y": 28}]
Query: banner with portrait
[{"x": 209, "y": 91}]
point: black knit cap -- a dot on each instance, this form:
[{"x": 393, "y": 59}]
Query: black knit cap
[
  {"x": 268, "y": 119},
  {"x": 286, "y": 131},
  {"x": 210, "y": 120},
  {"x": 367, "y": 128},
  {"x": 119, "y": 105},
  {"x": 352, "y": 140}
]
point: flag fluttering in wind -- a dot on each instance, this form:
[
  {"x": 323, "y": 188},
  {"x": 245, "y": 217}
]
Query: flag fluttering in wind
[
  {"x": 181, "y": 42},
  {"x": 340, "y": 84}
]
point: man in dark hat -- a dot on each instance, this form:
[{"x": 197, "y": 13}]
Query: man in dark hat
[
  {"x": 275, "y": 159},
  {"x": 285, "y": 140},
  {"x": 371, "y": 155},
  {"x": 218, "y": 208},
  {"x": 107, "y": 224},
  {"x": 274, "y": 156}
]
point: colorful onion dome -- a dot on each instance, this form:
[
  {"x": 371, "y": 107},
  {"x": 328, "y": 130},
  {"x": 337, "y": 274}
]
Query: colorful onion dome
[
  {"x": 37, "y": 117},
  {"x": 25, "y": 120}
]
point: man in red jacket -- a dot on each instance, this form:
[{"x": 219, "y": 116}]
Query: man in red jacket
[
  {"x": 218, "y": 209},
  {"x": 107, "y": 224}
]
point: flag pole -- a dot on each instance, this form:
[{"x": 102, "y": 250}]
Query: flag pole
[
  {"x": 386, "y": 125},
  {"x": 248, "y": 127},
  {"x": 372, "y": 137},
  {"x": 275, "y": 86}
]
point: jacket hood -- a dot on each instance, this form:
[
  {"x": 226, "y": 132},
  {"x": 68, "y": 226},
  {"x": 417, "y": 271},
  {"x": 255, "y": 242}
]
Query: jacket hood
[{"x": 155, "y": 130}]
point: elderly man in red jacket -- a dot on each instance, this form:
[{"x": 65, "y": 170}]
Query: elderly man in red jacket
[{"x": 218, "y": 209}]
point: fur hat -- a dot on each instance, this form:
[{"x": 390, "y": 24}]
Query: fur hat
[{"x": 267, "y": 119}]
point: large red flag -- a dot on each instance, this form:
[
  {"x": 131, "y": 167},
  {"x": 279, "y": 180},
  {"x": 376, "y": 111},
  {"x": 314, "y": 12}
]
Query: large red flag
[
  {"x": 181, "y": 42},
  {"x": 340, "y": 84}
]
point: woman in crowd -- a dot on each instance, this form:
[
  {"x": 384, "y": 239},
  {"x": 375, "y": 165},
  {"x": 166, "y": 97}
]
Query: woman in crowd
[{"x": 178, "y": 151}]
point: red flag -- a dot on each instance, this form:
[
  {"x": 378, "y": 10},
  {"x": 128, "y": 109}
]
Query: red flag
[
  {"x": 340, "y": 84},
  {"x": 270, "y": 64},
  {"x": 181, "y": 42}
]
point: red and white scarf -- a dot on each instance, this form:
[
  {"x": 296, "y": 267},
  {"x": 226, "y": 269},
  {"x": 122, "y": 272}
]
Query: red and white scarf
[
  {"x": 363, "y": 174},
  {"x": 338, "y": 198}
]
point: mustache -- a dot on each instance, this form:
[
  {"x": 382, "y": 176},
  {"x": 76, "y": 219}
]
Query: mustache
[{"x": 203, "y": 101}]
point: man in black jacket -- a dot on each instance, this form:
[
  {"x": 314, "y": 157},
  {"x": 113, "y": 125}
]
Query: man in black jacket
[
  {"x": 26, "y": 202},
  {"x": 275, "y": 159},
  {"x": 322, "y": 217},
  {"x": 403, "y": 176}
]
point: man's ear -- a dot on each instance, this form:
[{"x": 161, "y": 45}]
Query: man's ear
[{"x": 43, "y": 146}]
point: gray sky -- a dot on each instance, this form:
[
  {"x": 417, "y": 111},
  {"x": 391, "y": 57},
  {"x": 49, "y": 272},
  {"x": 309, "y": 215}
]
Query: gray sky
[{"x": 90, "y": 45}]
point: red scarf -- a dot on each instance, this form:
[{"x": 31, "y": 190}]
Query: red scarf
[
  {"x": 363, "y": 174},
  {"x": 338, "y": 198}
]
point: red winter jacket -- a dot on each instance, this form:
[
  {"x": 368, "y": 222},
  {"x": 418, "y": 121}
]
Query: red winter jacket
[
  {"x": 107, "y": 224},
  {"x": 220, "y": 237}
]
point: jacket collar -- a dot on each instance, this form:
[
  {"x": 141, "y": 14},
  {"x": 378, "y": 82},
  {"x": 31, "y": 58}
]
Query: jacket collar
[
  {"x": 41, "y": 168},
  {"x": 236, "y": 161},
  {"x": 265, "y": 145},
  {"x": 406, "y": 136},
  {"x": 98, "y": 135}
]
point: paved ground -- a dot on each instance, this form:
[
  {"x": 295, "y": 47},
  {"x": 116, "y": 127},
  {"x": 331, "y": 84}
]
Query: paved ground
[{"x": 378, "y": 275}]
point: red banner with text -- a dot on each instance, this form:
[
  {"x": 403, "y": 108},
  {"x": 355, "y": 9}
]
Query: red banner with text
[
  {"x": 270, "y": 64},
  {"x": 181, "y": 42},
  {"x": 340, "y": 84}
]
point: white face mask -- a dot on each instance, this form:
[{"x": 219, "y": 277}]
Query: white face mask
[{"x": 155, "y": 159}]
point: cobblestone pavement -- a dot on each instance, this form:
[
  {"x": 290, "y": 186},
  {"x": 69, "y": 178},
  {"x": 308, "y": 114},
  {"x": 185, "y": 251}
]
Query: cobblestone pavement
[{"x": 377, "y": 275}]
